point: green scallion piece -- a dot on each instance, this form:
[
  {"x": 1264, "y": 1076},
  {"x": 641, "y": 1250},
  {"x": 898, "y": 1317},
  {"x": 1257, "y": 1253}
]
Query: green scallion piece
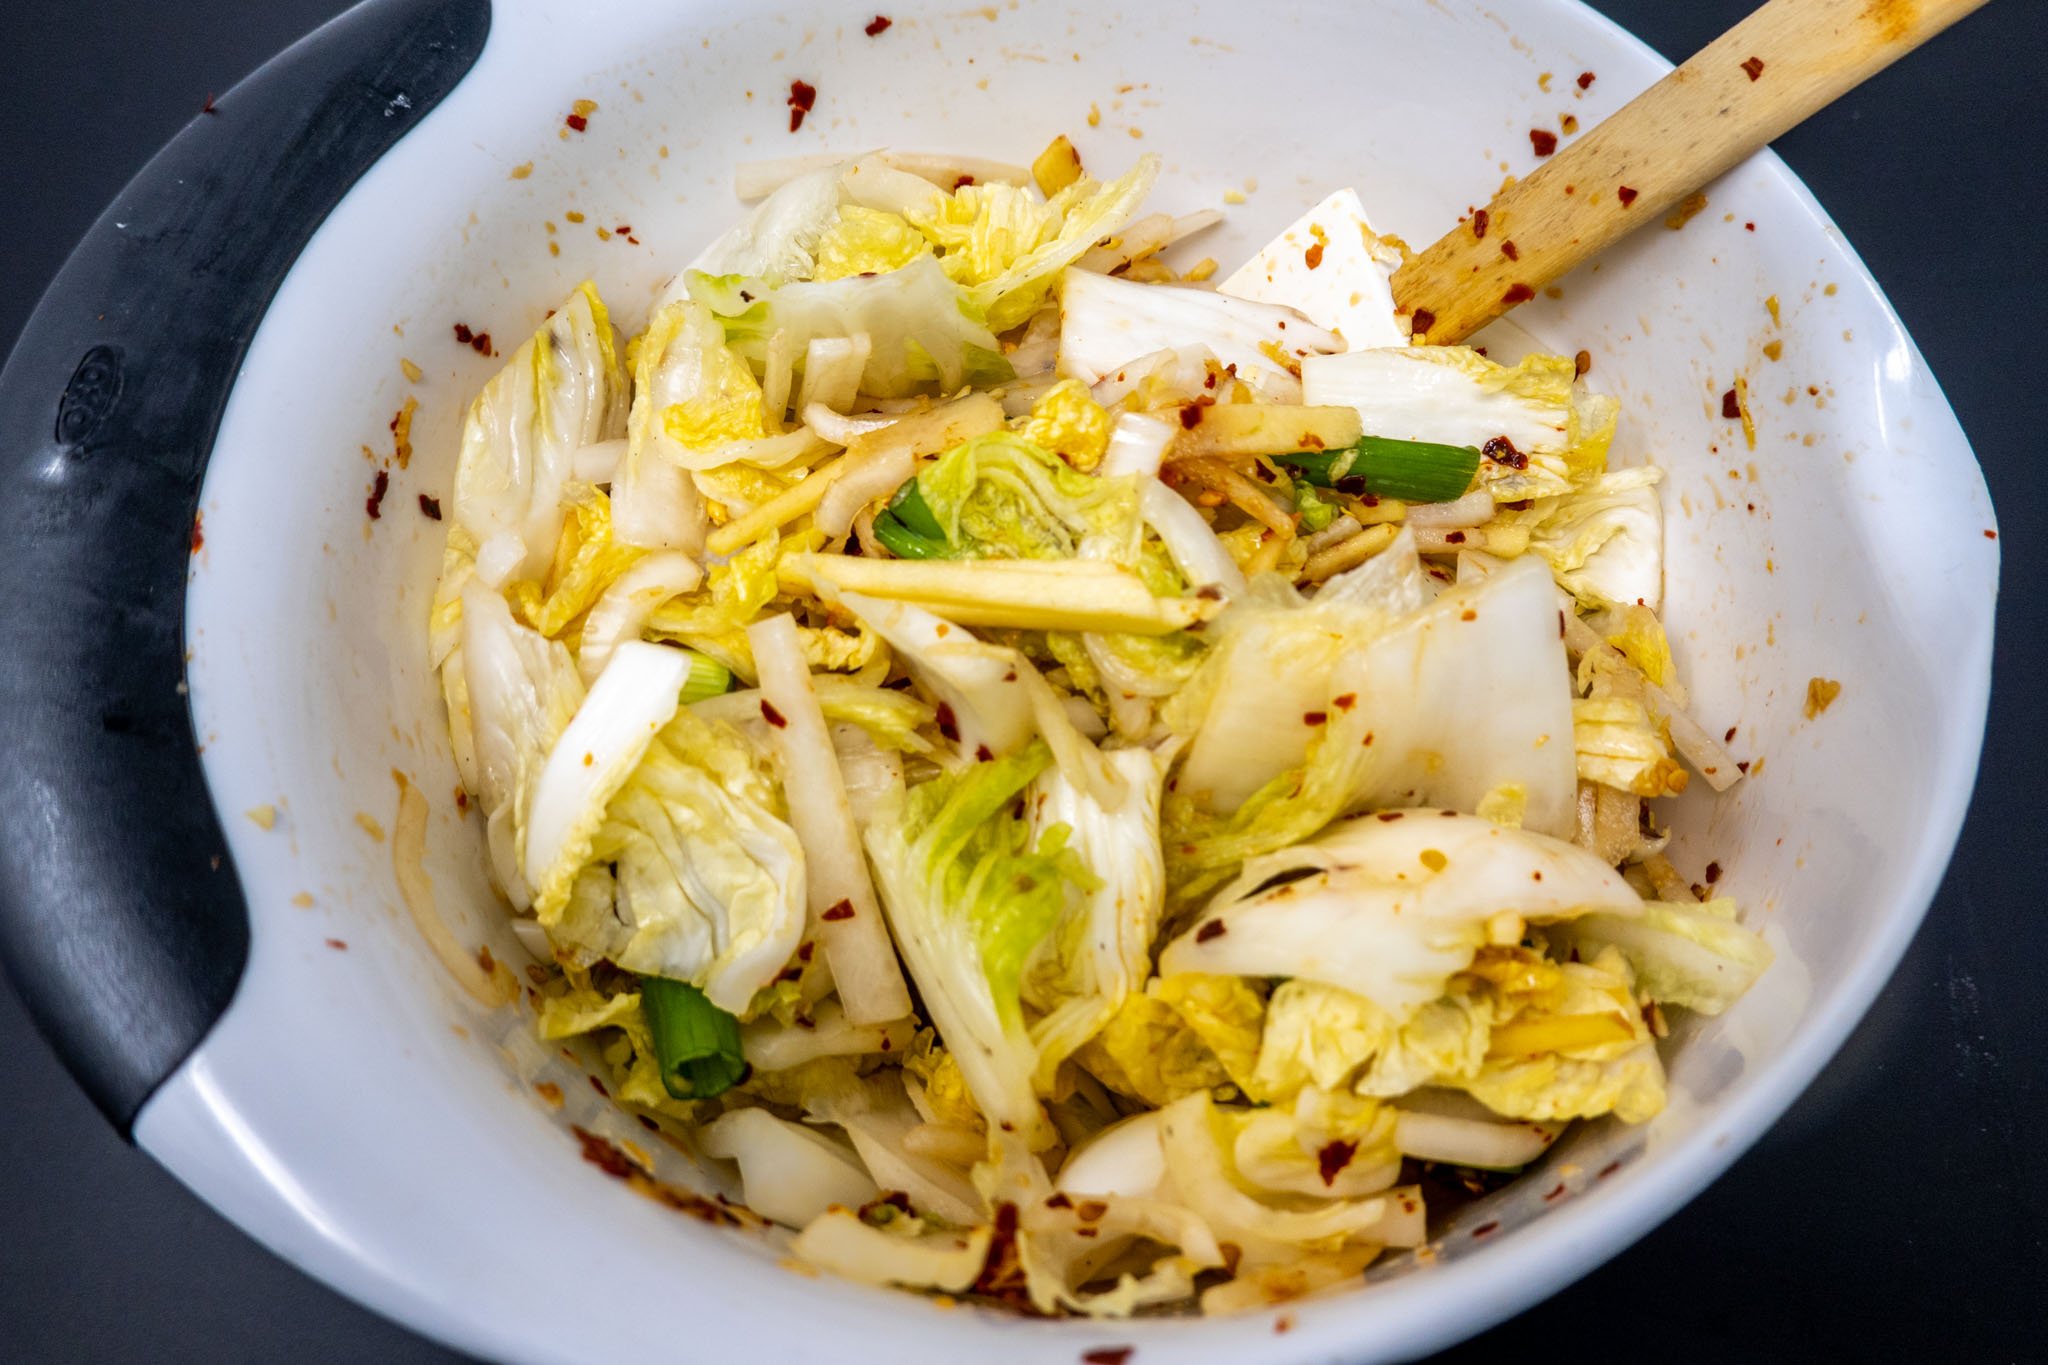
[
  {"x": 1413, "y": 471},
  {"x": 708, "y": 678},
  {"x": 914, "y": 512},
  {"x": 696, "y": 1043},
  {"x": 905, "y": 543}
]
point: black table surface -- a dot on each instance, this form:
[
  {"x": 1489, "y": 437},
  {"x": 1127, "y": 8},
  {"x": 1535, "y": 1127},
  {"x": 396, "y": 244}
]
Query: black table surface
[{"x": 1896, "y": 1213}]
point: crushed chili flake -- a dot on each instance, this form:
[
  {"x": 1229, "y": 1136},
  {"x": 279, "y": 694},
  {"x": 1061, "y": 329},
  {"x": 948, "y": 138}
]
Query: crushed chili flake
[
  {"x": 1626, "y": 195},
  {"x": 1582, "y": 364},
  {"x": 1333, "y": 1158},
  {"x": 1480, "y": 219},
  {"x": 1485, "y": 1229},
  {"x": 1557, "y": 1193},
  {"x": 1731, "y": 407},
  {"x": 208, "y": 107},
  {"x": 1754, "y": 66},
  {"x": 1213, "y": 929},
  {"x": 1988, "y": 535},
  {"x": 877, "y": 26},
  {"x": 1510, "y": 250},
  {"x": 1517, "y": 293},
  {"x": 430, "y": 508},
  {"x": 374, "y": 504},
  {"x": 1585, "y": 80},
  {"x": 578, "y": 122},
  {"x": 1313, "y": 257},
  {"x": 598, "y": 1086},
  {"x": 949, "y": 724},
  {"x": 337, "y": 945},
  {"x": 1502, "y": 451},
  {"x": 802, "y": 96},
  {"x": 1543, "y": 140},
  {"x": 1107, "y": 1355},
  {"x": 1420, "y": 321},
  {"x": 840, "y": 909},
  {"x": 1314, "y": 717},
  {"x": 199, "y": 532},
  {"x": 1344, "y": 701},
  {"x": 1713, "y": 873}
]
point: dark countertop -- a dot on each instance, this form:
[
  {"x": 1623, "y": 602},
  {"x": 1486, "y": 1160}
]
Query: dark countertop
[{"x": 1896, "y": 1213}]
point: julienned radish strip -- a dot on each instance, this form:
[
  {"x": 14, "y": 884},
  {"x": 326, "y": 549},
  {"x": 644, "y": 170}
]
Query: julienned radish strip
[
  {"x": 1022, "y": 594},
  {"x": 845, "y": 916}
]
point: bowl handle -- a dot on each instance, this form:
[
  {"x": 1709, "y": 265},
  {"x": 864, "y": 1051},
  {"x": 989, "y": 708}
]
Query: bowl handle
[{"x": 122, "y": 921}]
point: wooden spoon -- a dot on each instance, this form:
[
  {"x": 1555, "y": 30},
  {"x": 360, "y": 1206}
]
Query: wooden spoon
[{"x": 1783, "y": 62}]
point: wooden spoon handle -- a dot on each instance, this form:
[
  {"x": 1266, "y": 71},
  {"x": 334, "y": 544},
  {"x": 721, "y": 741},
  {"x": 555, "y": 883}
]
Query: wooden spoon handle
[{"x": 1786, "y": 60}]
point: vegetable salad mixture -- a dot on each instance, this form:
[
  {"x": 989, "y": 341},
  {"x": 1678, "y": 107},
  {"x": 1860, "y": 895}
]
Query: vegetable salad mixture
[{"x": 1084, "y": 783}]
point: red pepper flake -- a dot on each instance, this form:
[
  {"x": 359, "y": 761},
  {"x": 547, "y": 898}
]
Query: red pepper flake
[
  {"x": 1058, "y": 1200},
  {"x": 337, "y": 945},
  {"x": 1543, "y": 140},
  {"x": 463, "y": 334},
  {"x": 1486, "y": 1229},
  {"x": 1283, "y": 1324},
  {"x": 1420, "y": 321},
  {"x": 983, "y": 754},
  {"x": 430, "y": 508},
  {"x": 1555, "y": 1194},
  {"x": 840, "y": 909},
  {"x": 1333, "y": 1158},
  {"x": 1344, "y": 701},
  {"x": 1582, "y": 364},
  {"x": 1510, "y": 250},
  {"x": 1749, "y": 227},
  {"x": 1213, "y": 929},
  {"x": 199, "y": 531},
  {"x": 962, "y": 181},
  {"x": 802, "y": 95},
  {"x": 649, "y": 1124},
  {"x": 600, "y": 1152},
  {"x": 1988, "y": 535},
  {"x": 1626, "y": 195},
  {"x": 1754, "y": 66},
  {"x": 461, "y": 799},
  {"x": 374, "y": 504},
  {"x": 1090, "y": 1210},
  {"x": 1713, "y": 873},
  {"x": 1313, "y": 257},
  {"x": 1729, "y": 738},
  {"x": 877, "y": 26},
  {"x": 208, "y": 107},
  {"x": 1518, "y": 293},
  {"x": 1390, "y": 816},
  {"x": 804, "y": 951},
  {"x": 1731, "y": 406},
  {"x": 771, "y": 715},
  {"x": 598, "y": 1086},
  {"x": 1314, "y": 717},
  {"x": 1609, "y": 1169},
  {"x": 1191, "y": 415},
  {"x": 578, "y": 122},
  {"x": 1585, "y": 80},
  {"x": 1107, "y": 1355},
  {"x": 949, "y": 724},
  {"x": 1502, "y": 451},
  {"x": 1480, "y": 219}
]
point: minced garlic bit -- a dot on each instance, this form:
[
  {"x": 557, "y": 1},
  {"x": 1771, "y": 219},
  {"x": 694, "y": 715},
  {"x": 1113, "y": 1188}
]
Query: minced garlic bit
[
  {"x": 1820, "y": 695},
  {"x": 1201, "y": 270},
  {"x": 1771, "y": 306},
  {"x": 1687, "y": 209},
  {"x": 1094, "y": 116},
  {"x": 1233, "y": 196},
  {"x": 1742, "y": 410},
  {"x": 264, "y": 816},
  {"x": 304, "y": 900},
  {"x": 1774, "y": 349},
  {"x": 522, "y": 170},
  {"x": 413, "y": 373},
  {"x": 370, "y": 826}
]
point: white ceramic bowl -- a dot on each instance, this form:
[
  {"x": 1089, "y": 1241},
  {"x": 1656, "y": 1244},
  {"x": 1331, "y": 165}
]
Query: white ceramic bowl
[{"x": 354, "y": 1112}]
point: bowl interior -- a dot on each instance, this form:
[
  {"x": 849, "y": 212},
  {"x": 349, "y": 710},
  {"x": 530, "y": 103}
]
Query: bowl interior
[{"x": 398, "y": 1143}]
